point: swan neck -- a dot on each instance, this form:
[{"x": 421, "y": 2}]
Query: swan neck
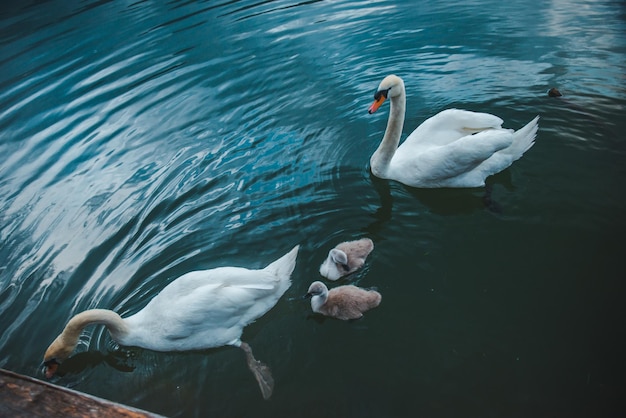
[
  {"x": 114, "y": 323},
  {"x": 382, "y": 157},
  {"x": 63, "y": 346}
]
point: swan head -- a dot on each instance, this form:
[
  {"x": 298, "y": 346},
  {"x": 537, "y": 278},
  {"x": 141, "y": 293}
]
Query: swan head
[
  {"x": 58, "y": 351},
  {"x": 63, "y": 345},
  {"x": 391, "y": 86}
]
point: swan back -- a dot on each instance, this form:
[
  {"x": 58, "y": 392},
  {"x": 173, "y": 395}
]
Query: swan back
[
  {"x": 209, "y": 308},
  {"x": 450, "y": 125},
  {"x": 347, "y": 257}
]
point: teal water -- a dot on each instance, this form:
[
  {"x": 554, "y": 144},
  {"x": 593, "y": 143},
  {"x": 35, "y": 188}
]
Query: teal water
[{"x": 141, "y": 140}]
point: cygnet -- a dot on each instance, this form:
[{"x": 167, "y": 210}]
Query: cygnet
[
  {"x": 346, "y": 258},
  {"x": 343, "y": 302}
]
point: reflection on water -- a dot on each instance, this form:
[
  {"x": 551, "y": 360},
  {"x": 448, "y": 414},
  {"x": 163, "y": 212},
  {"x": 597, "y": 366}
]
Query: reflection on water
[{"x": 142, "y": 140}]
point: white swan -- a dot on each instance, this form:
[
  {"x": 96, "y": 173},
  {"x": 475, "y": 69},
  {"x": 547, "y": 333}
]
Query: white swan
[
  {"x": 342, "y": 302},
  {"x": 455, "y": 148},
  {"x": 199, "y": 310},
  {"x": 347, "y": 257}
]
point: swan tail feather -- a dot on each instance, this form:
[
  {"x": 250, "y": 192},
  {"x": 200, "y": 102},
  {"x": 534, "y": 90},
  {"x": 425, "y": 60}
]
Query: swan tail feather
[
  {"x": 283, "y": 267},
  {"x": 524, "y": 138}
]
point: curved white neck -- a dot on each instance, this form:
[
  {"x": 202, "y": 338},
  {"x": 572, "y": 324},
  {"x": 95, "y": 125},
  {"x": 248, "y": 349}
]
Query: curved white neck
[
  {"x": 380, "y": 160},
  {"x": 64, "y": 344},
  {"x": 110, "y": 319}
]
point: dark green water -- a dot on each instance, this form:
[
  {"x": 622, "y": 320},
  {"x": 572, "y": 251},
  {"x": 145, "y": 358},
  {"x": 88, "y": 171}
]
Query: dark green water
[{"x": 141, "y": 140}]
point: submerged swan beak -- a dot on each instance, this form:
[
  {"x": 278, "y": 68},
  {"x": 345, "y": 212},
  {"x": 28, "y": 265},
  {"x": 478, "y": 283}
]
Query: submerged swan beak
[{"x": 51, "y": 367}]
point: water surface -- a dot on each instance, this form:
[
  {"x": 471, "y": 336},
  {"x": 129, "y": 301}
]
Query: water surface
[{"x": 141, "y": 140}]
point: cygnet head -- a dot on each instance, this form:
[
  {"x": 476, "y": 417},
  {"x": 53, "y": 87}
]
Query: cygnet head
[
  {"x": 317, "y": 289},
  {"x": 346, "y": 258},
  {"x": 391, "y": 86},
  {"x": 318, "y": 292},
  {"x": 335, "y": 265}
]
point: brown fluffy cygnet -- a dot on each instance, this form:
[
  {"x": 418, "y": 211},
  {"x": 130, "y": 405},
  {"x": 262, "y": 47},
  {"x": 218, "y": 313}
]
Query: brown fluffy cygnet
[
  {"x": 343, "y": 302},
  {"x": 346, "y": 258}
]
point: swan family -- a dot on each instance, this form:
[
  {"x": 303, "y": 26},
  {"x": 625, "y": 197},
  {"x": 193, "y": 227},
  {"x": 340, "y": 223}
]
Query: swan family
[{"x": 210, "y": 308}]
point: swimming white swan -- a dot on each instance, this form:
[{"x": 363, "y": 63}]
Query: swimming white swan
[
  {"x": 347, "y": 257},
  {"x": 199, "y": 310},
  {"x": 455, "y": 148},
  {"x": 342, "y": 302}
]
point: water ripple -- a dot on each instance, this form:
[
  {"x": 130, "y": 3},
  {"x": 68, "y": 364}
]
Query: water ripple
[{"x": 142, "y": 140}]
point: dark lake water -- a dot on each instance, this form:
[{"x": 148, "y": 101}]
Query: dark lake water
[{"x": 143, "y": 139}]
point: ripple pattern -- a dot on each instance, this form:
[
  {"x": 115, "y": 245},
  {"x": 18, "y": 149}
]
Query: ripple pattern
[{"x": 142, "y": 140}]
